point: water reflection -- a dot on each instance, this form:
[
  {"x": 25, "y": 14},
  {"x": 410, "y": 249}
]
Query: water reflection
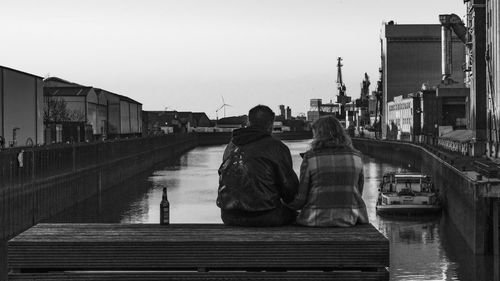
[
  {"x": 421, "y": 249},
  {"x": 469, "y": 266},
  {"x": 415, "y": 250}
]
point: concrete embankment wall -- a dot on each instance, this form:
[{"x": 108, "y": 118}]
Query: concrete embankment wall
[
  {"x": 470, "y": 213},
  {"x": 53, "y": 178},
  {"x": 206, "y": 139}
]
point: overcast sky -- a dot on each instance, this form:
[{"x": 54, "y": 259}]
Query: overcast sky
[{"x": 186, "y": 55}]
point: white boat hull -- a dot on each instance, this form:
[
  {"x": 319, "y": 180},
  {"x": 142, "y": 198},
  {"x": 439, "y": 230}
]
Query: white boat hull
[{"x": 407, "y": 209}]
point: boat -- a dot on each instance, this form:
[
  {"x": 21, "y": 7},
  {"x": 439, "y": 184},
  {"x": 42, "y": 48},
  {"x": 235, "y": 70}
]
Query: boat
[{"x": 407, "y": 194}]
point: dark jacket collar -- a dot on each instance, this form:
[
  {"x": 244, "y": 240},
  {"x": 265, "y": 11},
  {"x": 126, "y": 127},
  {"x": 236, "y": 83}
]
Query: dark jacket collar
[{"x": 247, "y": 135}]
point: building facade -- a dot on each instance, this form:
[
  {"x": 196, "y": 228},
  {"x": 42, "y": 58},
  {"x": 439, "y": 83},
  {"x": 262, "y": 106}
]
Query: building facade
[
  {"x": 404, "y": 119},
  {"x": 282, "y": 111},
  {"x": 174, "y": 121},
  {"x": 314, "y": 110},
  {"x": 288, "y": 115},
  {"x": 443, "y": 107},
  {"x": 318, "y": 109},
  {"x": 476, "y": 73},
  {"x": 411, "y": 56},
  {"x": 81, "y": 103},
  {"x": 111, "y": 115},
  {"x": 21, "y": 108},
  {"x": 372, "y": 108},
  {"x": 493, "y": 76}
]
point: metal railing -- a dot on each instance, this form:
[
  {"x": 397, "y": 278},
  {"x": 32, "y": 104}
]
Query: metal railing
[{"x": 21, "y": 164}]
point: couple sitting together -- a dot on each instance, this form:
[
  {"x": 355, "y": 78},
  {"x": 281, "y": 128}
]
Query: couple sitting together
[{"x": 258, "y": 187}]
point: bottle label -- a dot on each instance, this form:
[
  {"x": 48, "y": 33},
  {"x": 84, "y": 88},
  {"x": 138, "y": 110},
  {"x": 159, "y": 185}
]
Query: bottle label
[{"x": 166, "y": 215}]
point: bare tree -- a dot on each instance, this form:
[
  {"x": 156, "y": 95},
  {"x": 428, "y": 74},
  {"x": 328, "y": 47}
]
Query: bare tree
[
  {"x": 55, "y": 110},
  {"x": 76, "y": 115}
]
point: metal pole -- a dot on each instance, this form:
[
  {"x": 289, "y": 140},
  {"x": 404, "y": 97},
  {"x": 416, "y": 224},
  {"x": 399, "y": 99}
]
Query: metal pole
[{"x": 446, "y": 53}]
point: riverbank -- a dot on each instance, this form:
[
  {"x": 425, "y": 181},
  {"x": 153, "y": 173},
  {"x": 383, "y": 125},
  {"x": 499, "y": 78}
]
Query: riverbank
[
  {"x": 464, "y": 196},
  {"x": 42, "y": 181}
]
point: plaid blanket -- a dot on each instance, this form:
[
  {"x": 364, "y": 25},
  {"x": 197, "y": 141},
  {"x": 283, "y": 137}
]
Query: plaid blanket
[{"x": 331, "y": 184}]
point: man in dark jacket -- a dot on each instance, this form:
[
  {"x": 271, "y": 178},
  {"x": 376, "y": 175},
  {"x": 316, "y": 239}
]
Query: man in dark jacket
[{"x": 256, "y": 175}]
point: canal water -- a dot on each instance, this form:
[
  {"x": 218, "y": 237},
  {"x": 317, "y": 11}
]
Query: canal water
[{"x": 424, "y": 248}]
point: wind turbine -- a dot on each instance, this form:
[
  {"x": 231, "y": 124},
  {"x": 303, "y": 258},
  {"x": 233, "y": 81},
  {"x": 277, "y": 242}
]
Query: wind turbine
[{"x": 223, "y": 106}]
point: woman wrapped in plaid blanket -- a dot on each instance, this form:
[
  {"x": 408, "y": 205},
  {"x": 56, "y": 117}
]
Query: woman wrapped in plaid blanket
[{"x": 331, "y": 179}]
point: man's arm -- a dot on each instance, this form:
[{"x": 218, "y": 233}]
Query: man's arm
[
  {"x": 288, "y": 178},
  {"x": 304, "y": 185},
  {"x": 227, "y": 151},
  {"x": 361, "y": 182}
]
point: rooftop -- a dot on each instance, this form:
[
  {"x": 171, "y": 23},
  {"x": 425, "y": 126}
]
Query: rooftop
[
  {"x": 66, "y": 91},
  {"x": 19, "y": 71}
]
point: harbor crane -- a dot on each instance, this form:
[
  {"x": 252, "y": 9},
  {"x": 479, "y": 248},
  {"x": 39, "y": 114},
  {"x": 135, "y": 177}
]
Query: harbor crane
[
  {"x": 342, "y": 98},
  {"x": 378, "y": 107},
  {"x": 362, "y": 102}
]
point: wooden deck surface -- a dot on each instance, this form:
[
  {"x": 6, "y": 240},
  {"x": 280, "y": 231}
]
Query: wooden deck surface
[
  {"x": 209, "y": 276},
  {"x": 198, "y": 247},
  {"x": 47, "y": 233}
]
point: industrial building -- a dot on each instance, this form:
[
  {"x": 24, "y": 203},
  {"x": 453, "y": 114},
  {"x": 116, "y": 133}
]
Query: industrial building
[
  {"x": 443, "y": 107},
  {"x": 124, "y": 115},
  {"x": 318, "y": 109},
  {"x": 344, "y": 109},
  {"x": 428, "y": 114},
  {"x": 313, "y": 113},
  {"x": 282, "y": 112},
  {"x": 228, "y": 124},
  {"x": 155, "y": 122},
  {"x": 411, "y": 56},
  {"x": 111, "y": 115},
  {"x": 21, "y": 108},
  {"x": 81, "y": 103},
  {"x": 285, "y": 113},
  {"x": 372, "y": 107},
  {"x": 404, "y": 117}
]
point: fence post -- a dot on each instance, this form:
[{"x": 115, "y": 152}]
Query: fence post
[
  {"x": 33, "y": 187},
  {"x": 496, "y": 238},
  {"x": 74, "y": 156}
]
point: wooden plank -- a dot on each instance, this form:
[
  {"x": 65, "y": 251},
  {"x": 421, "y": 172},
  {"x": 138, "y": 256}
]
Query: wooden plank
[
  {"x": 61, "y": 232},
  {"x": 196, "y": 276},
  {"x": 183, "y": 246}
]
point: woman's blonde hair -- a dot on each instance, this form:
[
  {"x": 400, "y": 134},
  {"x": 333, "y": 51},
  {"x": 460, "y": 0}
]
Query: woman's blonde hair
[{"x": 328, "y": 132}]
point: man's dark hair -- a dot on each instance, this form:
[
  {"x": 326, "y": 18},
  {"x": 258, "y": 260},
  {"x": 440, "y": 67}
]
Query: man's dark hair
[{"x": 261, "y": 117}]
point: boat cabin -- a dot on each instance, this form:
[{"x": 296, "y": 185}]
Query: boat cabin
[
  {"x": 411, "y": 183},
  {"x": 407, "y": 194}
]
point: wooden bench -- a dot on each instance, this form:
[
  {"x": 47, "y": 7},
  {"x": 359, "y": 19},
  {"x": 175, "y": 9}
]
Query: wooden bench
[{"x": 197, "y": 252}]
